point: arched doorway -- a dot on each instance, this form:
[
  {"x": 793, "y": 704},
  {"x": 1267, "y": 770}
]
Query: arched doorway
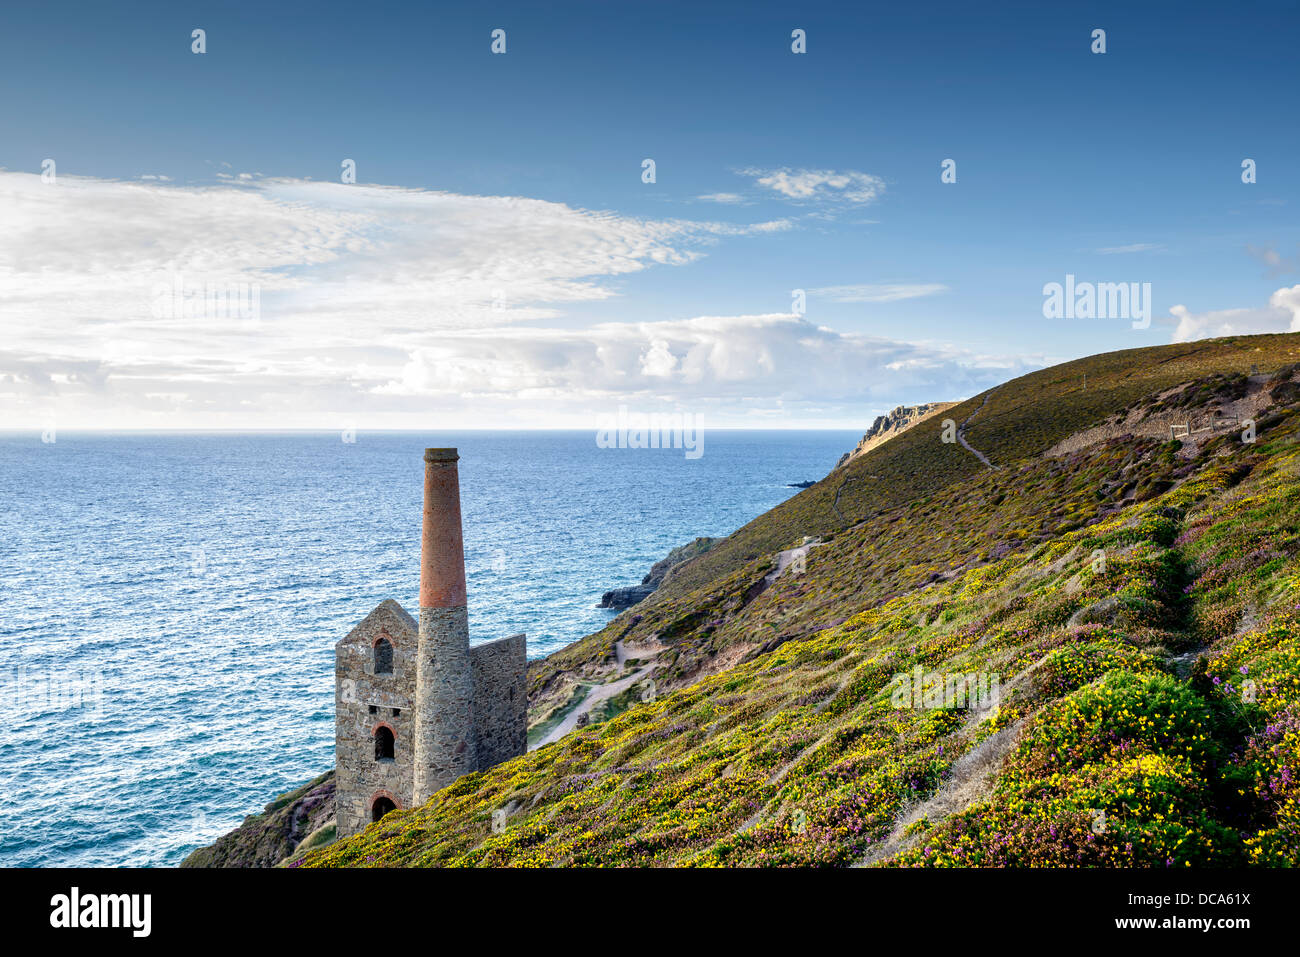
[{"x": 381, "y": 807}]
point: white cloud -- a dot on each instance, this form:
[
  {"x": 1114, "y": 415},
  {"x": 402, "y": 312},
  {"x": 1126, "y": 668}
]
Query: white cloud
[
  {"x": 658, "y": 360},
  {"x": 1131, "y": 248},
  {"x": 703, "y": 361},
  {"x": 1282, "y": 314},
  {"x": 732, "y": 199},
  {"x": 885, "y": 292},
  {"x": 846, "y": 186},
  {"x": 749, "y": 229},
  {"x": 385, "y": 306}
]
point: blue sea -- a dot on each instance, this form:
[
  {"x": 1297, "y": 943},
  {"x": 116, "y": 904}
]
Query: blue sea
[{"x": 169, "y": 602}]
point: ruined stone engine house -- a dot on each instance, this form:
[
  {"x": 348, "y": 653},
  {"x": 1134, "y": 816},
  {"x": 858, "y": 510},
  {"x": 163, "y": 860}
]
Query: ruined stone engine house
[{"x": 415, "y": 706}]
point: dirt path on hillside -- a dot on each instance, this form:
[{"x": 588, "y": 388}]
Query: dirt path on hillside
[
  {"x": 973, "y": 776},
  {"x": 835, "y": 505},
  {"x": 598, "y": 693},
  {"x": 961, "y": 434},
  {"x": 787, "y": 558}
]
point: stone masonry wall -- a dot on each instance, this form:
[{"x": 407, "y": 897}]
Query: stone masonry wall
[
  {"x": 500, "y": 699},
  {"x": 469, "y": 725},
  {"x": 363, "y": 700},
  {"x": 444, "y": 747}
]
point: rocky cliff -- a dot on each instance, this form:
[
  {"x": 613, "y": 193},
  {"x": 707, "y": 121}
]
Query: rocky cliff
[
  {"x": 628, "y": 596},
  {"x": 292, "y": 824},
  {"x": 895, "y": 423}
]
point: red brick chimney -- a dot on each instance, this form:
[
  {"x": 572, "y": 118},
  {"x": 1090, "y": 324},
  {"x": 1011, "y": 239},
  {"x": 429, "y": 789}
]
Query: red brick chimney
[
  {"x": 442, "y": 547},
  {"x": 445, "y": 739}
]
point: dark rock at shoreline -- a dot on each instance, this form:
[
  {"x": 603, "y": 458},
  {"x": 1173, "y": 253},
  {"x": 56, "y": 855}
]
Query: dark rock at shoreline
[
  {"x": 630, "y": 595},
  {"x": 625, "y": 597},
  {"x": 802, "y": 484}
]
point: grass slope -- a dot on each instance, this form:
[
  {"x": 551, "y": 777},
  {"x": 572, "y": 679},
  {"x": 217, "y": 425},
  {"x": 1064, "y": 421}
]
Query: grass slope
[
  {"x": 1020, "y": 420},
  {"x": 1123, "y": 596}
]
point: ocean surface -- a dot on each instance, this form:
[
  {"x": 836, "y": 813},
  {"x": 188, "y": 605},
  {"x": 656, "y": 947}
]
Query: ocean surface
[{"x": 169, "y": 603}]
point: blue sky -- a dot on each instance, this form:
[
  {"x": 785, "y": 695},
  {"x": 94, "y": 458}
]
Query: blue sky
[{"x": 775, "y": 172}]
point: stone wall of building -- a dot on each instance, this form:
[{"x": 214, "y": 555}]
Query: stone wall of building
[
  {"x": 444, "y": 706},
  {"x": 450, "y": 711},
  {"x": 364, "y": 700},
  {"x": 495, "y": 729},
  {"x": 500, "y": 700}
]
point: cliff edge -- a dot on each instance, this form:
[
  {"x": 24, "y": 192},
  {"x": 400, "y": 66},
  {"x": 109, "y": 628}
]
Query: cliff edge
[
  {"x": 292, "y": 824},
  {"x": 888, "y": 426},
  {"x": 629, "y": 595}
]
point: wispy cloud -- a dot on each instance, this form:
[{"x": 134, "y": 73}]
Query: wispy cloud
[
  {"x": 385, "y": 305},
  {"x": 821, "y": 185},
  {"x": 885, "y": 292},
  {"x": 1131, "y": 248},
  {"x": 727, "y": 199},
  {"x": 82, "y": 252},
  {"x": 1277, "y": 264}
]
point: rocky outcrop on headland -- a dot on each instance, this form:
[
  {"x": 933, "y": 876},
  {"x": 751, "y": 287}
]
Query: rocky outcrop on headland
[
  {"x": 895, "y": 423},
  {"x": 626, "y": 597},
  {"x": 290, "y": 825},
  {"x": 630, "y": 595}
]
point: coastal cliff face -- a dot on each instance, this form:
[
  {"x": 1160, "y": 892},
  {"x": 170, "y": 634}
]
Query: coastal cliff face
[
  {"x": 895, "y": 423},
  {"x": 628, "y": 596},
  {"x": 292, "y": 824}
]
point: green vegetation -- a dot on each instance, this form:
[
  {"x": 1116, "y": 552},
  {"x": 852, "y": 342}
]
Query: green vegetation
[
  {"x": 292, "y": 824},
  {"x": 910, "y": 479},
  {"x": 321, "y": 837},
  {"x": 1137, "y": 602},
  {"x": 544, "y": 726}
]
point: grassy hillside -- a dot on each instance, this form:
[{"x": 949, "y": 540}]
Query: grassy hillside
[
  {"x": 886, "y": 506},
  {"x": 1021, "y": 419},
  {"x": 1121, "y": 597}
]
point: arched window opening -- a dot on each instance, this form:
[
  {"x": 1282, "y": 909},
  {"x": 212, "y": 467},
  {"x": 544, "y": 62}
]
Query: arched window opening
[
  {"x": 383, "y": 743},
  {"x": 381, "y": 807},
  {"x": 383, "y": 657}
]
